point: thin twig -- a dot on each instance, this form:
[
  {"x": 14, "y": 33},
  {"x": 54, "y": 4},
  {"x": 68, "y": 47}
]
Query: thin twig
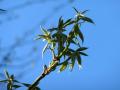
[{"x": 45, "y": 73}]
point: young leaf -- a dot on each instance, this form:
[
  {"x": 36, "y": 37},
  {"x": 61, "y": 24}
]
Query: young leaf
[
  {"x": 68, "y": 21},
  {"x": 84, "y": 11},
  {"x": 53, "y": 29},
  {"x": 3, "y": 80},
  {"x": 25, "y": 84},
  {"x": 63, "y": 66},
  {"x": 82, "y": 53},
  {"x": 9, "y": 86},
  {"x": 78, "y": 57},
  {"x": 78, "y": 32},
  {"x": 45, "y": 31},
  {"x": 44, "y": 49},
  {"x": 16, "y": 86},
  {"x": 7, "y": 74},
  {"x": 88, "y": 20},
  {"x": 60, "y": 24},
  {"x": 81, "y": 36},
  {"x": 72, "y": 63},
  {"x": 82, "y": 48},
  {"x": 40, "y": 37},
  {"x": 76, "y": 10}
]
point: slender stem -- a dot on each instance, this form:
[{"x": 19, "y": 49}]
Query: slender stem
[
  {"x": 45, "y": 73},
  {"x": 63, "y": 52},
  {"x": 64, "y": 61},
  {"x": 56, "y": 62}
]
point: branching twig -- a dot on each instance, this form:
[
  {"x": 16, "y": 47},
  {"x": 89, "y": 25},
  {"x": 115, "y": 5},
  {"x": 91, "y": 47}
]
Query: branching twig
[{"x": 46, "y": 71}]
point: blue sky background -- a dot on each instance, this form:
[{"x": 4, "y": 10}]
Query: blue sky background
[{"x": 101, "y": 69}]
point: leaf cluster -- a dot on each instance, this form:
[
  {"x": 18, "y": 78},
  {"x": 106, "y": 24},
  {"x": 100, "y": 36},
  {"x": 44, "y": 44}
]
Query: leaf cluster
[
  {"x": 62, "y": 38},
  {"x": 13, "y": 84}
]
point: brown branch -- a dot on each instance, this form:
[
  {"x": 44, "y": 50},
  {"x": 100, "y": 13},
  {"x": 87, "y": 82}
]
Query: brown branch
[{"x": 46, "y": 71}]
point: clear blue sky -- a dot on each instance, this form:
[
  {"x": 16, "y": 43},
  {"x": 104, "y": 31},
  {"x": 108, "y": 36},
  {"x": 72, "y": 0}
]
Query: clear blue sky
[{"x": 101, "y": 68}]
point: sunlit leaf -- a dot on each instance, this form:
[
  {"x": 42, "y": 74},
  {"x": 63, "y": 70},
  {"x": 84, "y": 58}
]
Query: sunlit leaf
[
  {"x": 44, "y": 49},
  {"x": 79, "y": 60},
  {"x": 45, "y": 31},
  {"x": 72, "y": 63},
  {"x": 63, "y": 66},
  {"x": 68, "y": 21},
  {"x": 9, "y": 86},
  {"x": 40, "y": 37}
]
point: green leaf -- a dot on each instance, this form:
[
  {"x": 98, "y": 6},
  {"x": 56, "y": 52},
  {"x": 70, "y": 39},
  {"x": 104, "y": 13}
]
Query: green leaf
[
  {"x": 44, "y": 49},
  {"x": 84, "y": 11},
  {"x": 37, "y": 88},
  {"x": 54, "y": 35},
  {"x": 81, "y": 36},
  {"x": 3, "y": 80},
  {"x": 7, "y": 74},
  {"x": 53, "y": 29},
  {"x": 56, "y": 29},
  {"x": 79, "y": 60},
  {"x": 88, "y": 20},
  {"x": 78, "y": 32},
  {"x": 53, "y": 45},
  {"x": 76, "y": 10},
  {"x": 63, "y": 37},
  {"x": 63, "y": 66},
  {"x": 16, "y": 86},
  {"x": 60, "y": 24},
  {"x": 16, "y": 81},
  {"x": 9, "y": 86},
  {"x": 82, "y": 53},
  {"x": 72, "y": 63},
  {"x": 45, "y": 31},
  {"x": 68, "y": 21},
  {"x": 40, "y": 37},
  {"x": 74, "y": 42},
  {"x": 71, "y": 50},
  {"x": 82, "y": 48},
  {"x": 12, "y": 77},
  {"x": 25, "y": 84}
]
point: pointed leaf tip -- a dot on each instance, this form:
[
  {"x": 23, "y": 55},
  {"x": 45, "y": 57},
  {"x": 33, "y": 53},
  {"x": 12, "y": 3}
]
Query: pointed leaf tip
[
  {"x": 75, "y": 9},
  {"x": 63, "y": 66}
]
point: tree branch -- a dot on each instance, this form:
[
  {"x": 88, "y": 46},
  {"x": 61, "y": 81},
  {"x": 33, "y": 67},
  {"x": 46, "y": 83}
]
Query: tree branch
[
  {"x": 64, "y": 61},
  {"x": 46, "y": 71}
]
